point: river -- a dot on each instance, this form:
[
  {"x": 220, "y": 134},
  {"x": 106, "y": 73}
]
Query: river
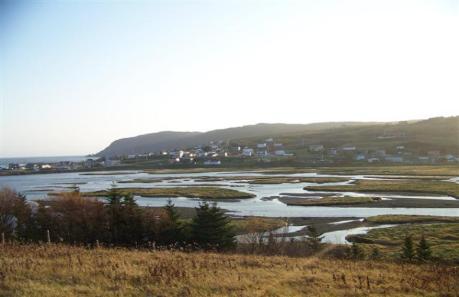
[{"x": 36, "y": 186}]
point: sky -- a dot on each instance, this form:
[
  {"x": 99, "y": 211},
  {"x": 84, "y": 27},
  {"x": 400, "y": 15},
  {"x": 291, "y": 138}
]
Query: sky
[{"x": 77, "y": 75}]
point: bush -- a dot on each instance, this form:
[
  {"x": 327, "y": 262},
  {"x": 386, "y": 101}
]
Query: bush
[
  {"x": 15, "y": 214},
  {"x": 72, "y": 218}
]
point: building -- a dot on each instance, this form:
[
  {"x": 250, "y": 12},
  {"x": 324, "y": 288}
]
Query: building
[
  {"x": 262, "y": 153},
  {"x": 332, "y": 151},
  {"x": 348, "y": 148},
  {"x": 360, "y": 157},
  {"x": 280, "y": 153},
  {"x": 13, "y": 166},
  {"x": 247, "y": 152},
  {"x": 316, "y": 147},
  {"x": 380, "y": 153},
  {"x": 212, "y": 162},
  {"x": 89, "y": 163},
  {"x": 394, "y": 159}
]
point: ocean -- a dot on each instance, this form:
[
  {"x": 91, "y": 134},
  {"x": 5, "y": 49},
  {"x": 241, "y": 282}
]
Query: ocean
[{"x": 24, "y": 160}]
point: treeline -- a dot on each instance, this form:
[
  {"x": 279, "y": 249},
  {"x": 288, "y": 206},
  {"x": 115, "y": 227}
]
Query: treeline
[
  {"x": 117, "y": 221},
  {"x": 120, "y": 221}
]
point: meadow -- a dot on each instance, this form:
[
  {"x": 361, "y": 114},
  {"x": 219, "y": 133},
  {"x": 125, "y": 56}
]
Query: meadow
[
  {"x": 60, "y": 270},
  {"x": 443, "y": 239}
]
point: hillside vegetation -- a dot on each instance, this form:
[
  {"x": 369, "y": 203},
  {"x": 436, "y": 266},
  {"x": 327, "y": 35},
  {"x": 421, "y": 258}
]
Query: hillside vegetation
[{"x": 417, "y": 136}]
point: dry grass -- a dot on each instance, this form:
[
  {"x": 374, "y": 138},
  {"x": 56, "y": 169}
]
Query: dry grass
[
  {"x": 55, "y": 270},
  {"x": 407, "y": 219}
]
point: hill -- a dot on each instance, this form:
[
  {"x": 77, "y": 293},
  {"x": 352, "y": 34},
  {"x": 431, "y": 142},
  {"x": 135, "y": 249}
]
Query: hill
[
  {"x": 168, "y": 140},
  {"x": 436, "y": 133}
]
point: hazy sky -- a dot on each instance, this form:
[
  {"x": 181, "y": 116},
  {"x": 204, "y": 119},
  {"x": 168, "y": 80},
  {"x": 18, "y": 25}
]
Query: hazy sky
[{"x": 76, "y": 75}]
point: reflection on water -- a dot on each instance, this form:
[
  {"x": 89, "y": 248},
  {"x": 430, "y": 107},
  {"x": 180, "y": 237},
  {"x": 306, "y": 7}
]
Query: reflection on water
[
  {"x": 340, "y": 235},
  {"x": 37, "y": 185}
]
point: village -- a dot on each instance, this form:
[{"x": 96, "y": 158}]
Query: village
[{"x": 218, "y": 153}]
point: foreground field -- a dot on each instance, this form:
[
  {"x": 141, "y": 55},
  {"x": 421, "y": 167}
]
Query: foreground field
[{"x": 56, "y": 270}]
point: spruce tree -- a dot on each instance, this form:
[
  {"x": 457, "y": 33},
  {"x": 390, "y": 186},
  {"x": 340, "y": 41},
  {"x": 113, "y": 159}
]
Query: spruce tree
[
  {"x": 423, "y": 251},
  {"x": 172, "y": 212},
  {"x": 173, "y": 231},
  {"x": 375, "y": 253},
  {"x": 357, "y": 252},
  {"x": 124, "y": 218},
  {"x": 314, "y": 238},
  {"x": 210, "y": 228},
  {"x": 408, "y": 249}
]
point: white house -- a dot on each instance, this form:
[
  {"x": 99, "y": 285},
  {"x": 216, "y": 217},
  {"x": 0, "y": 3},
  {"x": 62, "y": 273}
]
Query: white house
[
  {"x": 360, "y": 157},
  {"x": 261, "y": 146},
  {"x": 247, "y": 152},
  {"x": 316, "y": 147},
  {"x": 348, "y": 148},
  {"x": 395, "y": 159},
  {"x": 280, "y": 153},
  {"x": 372, "y": 160},
  {"x": 212, "y": 162}
]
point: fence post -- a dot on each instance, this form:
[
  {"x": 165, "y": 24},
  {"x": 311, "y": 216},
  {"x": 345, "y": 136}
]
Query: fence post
[
  {"x": 3, "y": 238},
  {"x": 48, "y": 237}
]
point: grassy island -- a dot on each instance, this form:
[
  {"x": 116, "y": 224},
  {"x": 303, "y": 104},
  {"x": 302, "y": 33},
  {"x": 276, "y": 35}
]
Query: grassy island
[
  {"x": 395, "y": 186},
  {"x": 329, "y": 201},
  {"x": 410, "y": 219},
  {"x": 190, "y": 192}
]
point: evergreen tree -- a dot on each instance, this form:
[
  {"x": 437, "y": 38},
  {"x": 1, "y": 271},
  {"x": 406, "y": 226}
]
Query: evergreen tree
[
  {"x": 357, "y": 252},
  {"x": 114, "y": 197},
  {"x": 172, "y": 233},
  {"x": 423, "y": 251},
  {"x": 211, "y": 228},
  {"x": 375, "y": 253},
  {"x": 125, "y": 218},
  {"x": 408, "y": 249},
  {"x": 172, "y": 212},
  {"x": 314, "y": 238}
]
